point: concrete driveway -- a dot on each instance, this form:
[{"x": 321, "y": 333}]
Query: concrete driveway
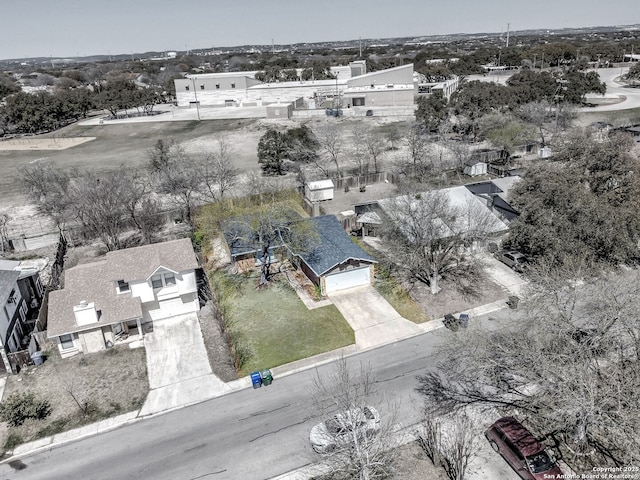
[
  {"x": 175, "y": 351},
  {"x": 503, "y": 275},
  {"x": 373, "y": 320},
  {"x": 178, "y": 366}
]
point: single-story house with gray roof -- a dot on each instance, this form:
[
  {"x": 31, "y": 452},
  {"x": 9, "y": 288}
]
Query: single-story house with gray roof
[
  {"x": 103, "y": 299},
  {"x": 336, "y": 263}
]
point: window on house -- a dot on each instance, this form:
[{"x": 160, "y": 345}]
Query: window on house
[
  {"x": 233, "y": 85},
  {"x": 163, "y": 280},
  {"x": 123, "y": 286},
  {"x": 39, "y": 285},
  {"x": 358, "y": 101},
  {"x": 201, "y": 87},
  {"x": 66, "y": 341},
  {"x": 156, "y": 281},
  {"x": 186, "y": 87}
]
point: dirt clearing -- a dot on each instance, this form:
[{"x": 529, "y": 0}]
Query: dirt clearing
[{"x": 105, "y": 384}]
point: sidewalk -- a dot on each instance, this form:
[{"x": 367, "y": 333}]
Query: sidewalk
[{"x": 196, "y": 390}]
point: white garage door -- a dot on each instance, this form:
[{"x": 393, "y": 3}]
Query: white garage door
[
  {"x": 348, "y": 279},
  {"x": 169, "y": 308}
]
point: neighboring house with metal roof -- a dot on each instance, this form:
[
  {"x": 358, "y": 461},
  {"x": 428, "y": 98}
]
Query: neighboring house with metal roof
[
  {"x": 21, "y": 295},
  {"x": 471, "y": 210},
  {"x": 495, "y": 193},
  {"x": 103, "y": 299},
  {"x": 336, "y": 263}
]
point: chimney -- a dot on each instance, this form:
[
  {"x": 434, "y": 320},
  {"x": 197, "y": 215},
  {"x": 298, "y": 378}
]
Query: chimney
[{"x": 85, "y": 313}]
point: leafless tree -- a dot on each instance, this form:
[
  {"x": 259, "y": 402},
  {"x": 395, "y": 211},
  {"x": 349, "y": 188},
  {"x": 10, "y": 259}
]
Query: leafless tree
[
  {"x": 393, "y": 136},
  {"x": 98, "y": 203},
  {"x": 347, "y": 391},
  {"x": 433, "y": 238},
  {"x": 570, "y": 363},
  {"x": 104, "y": 203},
  {"x": 358, "y": 148},
  {"x": 451, "y": 442},
  {"x": 81, "y": 396},
  {"x": 540, "y": 115},
  {"x": 47, "y": 186},
  {"x": 417, "y": 164},
  {"x": 175, "y": 174},
  {"x": 375, "y": 147},
  {"x": 218, "y": 172},
  {"x": 459, "y": 448},
  {"x": 272, "y": 229},
  {"x": 4, "y": 235},
  {"x": 331, "y": 144}
]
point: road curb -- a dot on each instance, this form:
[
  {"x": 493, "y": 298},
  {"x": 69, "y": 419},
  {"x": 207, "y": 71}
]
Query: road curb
[{"x": 73, "y": 435}]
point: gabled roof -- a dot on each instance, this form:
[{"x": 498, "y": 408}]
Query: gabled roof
[
  {"x": 96, "y": 282},
  {"x": 335, "y": 247},
  {"x": 458, "y": 197},
  {"x": 140, "y": 262}
]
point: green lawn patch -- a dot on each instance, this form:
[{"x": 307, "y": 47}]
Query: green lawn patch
[
  {"x": 272, "y": 326},
  {"x": 392, "y": 291}
]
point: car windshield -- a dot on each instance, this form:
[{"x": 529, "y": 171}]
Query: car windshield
[
  {"x": 333, "y": 426},
  {"x": 540, "y": 462}
]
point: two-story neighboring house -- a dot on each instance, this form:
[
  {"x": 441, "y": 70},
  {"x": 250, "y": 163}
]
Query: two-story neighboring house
[
  {"x": 20, "y": 298},
  {"x": 121, "y": 291}
]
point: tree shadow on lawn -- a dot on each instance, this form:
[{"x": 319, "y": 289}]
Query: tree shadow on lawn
[
  {"x": 278, "y": 328},
  {"x": 451, "y": 299}
]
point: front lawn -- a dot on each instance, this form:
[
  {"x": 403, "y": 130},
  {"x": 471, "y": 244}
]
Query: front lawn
[
  {"x": 271, "y": 326},
  {"x": 81, "y": 390},
  {"x": 392, "y": 291}
]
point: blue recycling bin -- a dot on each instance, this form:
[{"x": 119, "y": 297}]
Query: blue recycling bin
[
  {"x": 256, "y": 379},
  {"x": 464, "y": 320}
]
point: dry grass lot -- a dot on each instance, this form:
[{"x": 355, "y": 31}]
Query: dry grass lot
[
  {"x": 110, "y": 383},
  {"x": 128, "y": 144}
]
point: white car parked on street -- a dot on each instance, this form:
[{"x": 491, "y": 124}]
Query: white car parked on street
[{"x": 339, "y": 429}]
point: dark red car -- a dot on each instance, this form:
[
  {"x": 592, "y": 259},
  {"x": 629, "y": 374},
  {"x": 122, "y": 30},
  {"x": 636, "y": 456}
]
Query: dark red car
[{"x": 526, "y": 455}]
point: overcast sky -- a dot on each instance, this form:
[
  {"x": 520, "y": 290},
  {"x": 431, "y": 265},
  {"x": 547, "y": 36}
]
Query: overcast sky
[{"x": 65, "y": 28}]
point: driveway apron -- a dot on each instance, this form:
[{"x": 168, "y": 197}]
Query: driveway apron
[
  {"x": 178, "y": 366},
  {"x": 175, "y": 351},
  {"x": 373, "y": 320}
]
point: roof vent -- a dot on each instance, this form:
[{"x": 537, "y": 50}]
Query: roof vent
[{"x": 84, "y": 303}]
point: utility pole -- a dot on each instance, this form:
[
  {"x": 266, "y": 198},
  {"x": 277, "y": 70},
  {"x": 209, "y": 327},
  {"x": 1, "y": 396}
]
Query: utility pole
[
  {"x": 360, "y": 48},
  {"x": 195, "y": 93},
  {"x": 508, "y": 25},
  {"x": 559, "y": 96}
]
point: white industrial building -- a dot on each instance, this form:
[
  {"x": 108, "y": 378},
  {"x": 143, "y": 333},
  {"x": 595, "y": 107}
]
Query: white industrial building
[{"x": 352, "y": 87}]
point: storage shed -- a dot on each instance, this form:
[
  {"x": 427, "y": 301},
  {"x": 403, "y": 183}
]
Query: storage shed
[
  {"x": 319, "y": 190},
  {"x": 280, "y": 110}
]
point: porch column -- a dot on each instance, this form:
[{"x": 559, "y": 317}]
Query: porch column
[{"x": 139, "y": 324}]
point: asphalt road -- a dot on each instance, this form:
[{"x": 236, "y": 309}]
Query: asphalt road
[
  {"x": 631, "y": 95},
  {"x": 249, "y": 434}
]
